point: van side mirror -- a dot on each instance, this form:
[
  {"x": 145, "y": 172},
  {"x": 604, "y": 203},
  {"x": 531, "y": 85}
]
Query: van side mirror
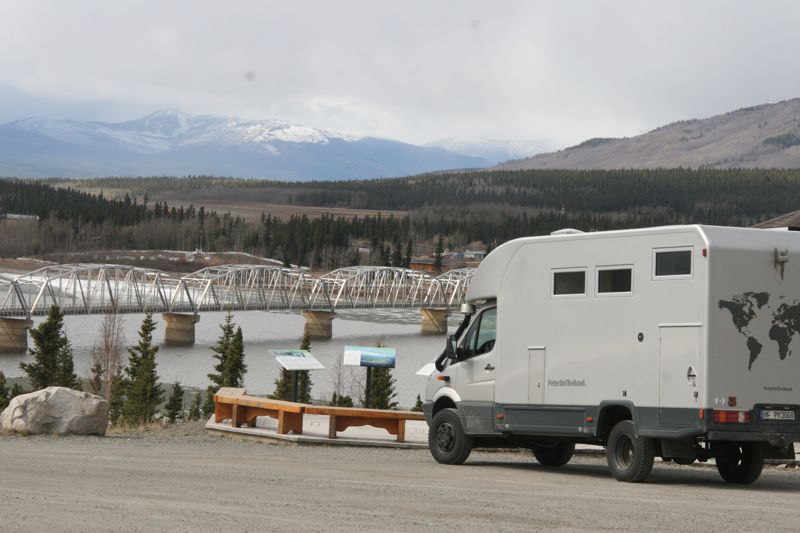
[{"x": 450, "y": 348}]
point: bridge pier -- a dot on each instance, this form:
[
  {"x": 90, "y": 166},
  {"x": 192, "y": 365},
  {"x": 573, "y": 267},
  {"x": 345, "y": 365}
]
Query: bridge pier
[
  {"x": 319, "y": 324},
  {"x": 434, "y": 320},
  {"x": 14, "y": 334},
  {"x": 180, "y": 327}
]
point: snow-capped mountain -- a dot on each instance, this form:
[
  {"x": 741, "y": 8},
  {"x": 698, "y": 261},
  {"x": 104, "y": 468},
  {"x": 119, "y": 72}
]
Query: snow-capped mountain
[
  {"x": 493, "y": 150},
  {"x": 176, "y": 143}
]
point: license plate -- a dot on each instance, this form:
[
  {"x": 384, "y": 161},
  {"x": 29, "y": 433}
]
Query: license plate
[{"x": 777, "y": 415}]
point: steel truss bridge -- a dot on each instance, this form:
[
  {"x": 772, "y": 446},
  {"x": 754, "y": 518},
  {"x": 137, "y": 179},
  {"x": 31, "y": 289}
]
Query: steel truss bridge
[{"x": 100, "y": 288}]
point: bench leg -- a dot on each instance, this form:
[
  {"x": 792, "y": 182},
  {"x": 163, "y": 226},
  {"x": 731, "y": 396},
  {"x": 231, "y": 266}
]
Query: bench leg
[
  {"x": 401, "y": 431},
  {"x": 238, "y": 414},
  {"x": 222, "y": 411},
  {"x": 290, "y": 422},
  {"x": 332, "y": 427}
]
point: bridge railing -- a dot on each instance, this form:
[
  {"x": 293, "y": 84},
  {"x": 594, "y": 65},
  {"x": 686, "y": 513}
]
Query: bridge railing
[
  {"x": 86, "y": 289},
  {"x": 98, "y": 288},
  {"x": 247, "y": 287}
]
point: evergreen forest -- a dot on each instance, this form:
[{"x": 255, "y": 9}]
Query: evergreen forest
[{"x": 460, "y": 208}]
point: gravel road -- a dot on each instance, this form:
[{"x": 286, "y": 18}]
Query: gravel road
[{"x": 184, "y": 480}]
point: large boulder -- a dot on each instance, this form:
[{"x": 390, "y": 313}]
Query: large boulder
[{"x": 56, "y": 410}]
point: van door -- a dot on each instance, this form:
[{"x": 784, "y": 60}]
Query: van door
[
  {"x": 679, "y": 374},
  {"x": 536, "y": 365},
  {"x": 473, "y": 374}
]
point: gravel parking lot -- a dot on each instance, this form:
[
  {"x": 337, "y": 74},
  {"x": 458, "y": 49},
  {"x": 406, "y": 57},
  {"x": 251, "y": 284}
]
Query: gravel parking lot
[{"x": 181, "y": 479}]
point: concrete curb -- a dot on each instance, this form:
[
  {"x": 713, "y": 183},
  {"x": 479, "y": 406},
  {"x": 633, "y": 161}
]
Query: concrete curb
[{"x": 316, "y": 440}]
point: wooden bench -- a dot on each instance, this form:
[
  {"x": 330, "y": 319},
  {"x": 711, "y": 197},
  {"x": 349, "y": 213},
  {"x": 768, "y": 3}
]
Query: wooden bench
[
  {"x": 342, "y": 418},
  {"x": 236, "y": 405}
]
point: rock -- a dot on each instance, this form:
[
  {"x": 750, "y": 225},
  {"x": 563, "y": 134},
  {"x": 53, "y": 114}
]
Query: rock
[{"x": 56, "y": 410}]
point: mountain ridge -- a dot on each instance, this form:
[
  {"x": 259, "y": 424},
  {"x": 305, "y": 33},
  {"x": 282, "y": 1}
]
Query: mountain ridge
[
  {"x": 761, "y": 136},
  {"x": 168, "y": 141}
]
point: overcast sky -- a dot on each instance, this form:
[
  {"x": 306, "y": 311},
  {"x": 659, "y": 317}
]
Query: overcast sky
[{"x": 557, "y": 72}]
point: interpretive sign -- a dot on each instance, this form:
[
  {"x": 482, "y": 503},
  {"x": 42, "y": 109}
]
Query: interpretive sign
[
  {"x": 296, "y": 360},
  {"x": 369, "y": 356}
]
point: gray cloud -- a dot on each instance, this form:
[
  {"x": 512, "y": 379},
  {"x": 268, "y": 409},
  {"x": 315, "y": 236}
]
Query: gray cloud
[{"x": 413, "y": 70}]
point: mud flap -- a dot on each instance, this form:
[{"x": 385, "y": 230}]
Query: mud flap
[{"x": 778, "y": 452}]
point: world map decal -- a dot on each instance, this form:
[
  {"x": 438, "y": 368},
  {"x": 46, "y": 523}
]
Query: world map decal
[{"x": 785, "y": 319}]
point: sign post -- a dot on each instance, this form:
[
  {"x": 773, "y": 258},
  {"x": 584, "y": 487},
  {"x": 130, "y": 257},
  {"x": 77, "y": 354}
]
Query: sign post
[
  {"x": 296, "y": 361},
  {"x": 295, "y": 377}
]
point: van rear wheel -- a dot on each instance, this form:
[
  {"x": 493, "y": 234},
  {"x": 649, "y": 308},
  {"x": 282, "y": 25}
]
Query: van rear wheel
[
  {"x": 446, "y": 438},
  {"x": 557, "y": 455},
  {"x": 630, "y": 458},
  {"x": 739, "y": 462}
]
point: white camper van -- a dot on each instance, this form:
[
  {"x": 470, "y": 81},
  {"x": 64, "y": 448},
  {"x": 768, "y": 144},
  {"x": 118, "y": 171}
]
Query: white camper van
[{"x": 676, "y": 342}]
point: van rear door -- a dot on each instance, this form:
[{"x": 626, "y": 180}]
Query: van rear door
[{"x": 680, "y": 374}]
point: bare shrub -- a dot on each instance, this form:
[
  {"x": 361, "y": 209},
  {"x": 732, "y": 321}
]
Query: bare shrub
[
  {"x": 107, "y": 352},
  {"x": 348, "y": 381}
]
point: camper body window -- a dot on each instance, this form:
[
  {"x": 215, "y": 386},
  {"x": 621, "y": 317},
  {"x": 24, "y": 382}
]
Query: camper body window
[
  {"x": 569, "y": 282},
  {"x": 615, "y": 280},
  {"x": 672, "y": 263}
]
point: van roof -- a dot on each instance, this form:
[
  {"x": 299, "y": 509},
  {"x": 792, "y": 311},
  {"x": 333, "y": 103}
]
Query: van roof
[{"x": 486, "y": 281}]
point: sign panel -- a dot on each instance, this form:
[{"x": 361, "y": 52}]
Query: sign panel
[
  {"x": 369, "y": 356},
  {"x": 296, "y": 360}
]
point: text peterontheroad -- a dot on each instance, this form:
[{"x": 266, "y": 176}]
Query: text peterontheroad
[{"x": 566, "y": 382}]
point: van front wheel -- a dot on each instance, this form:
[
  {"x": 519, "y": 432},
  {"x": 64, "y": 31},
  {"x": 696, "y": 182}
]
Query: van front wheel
[
  {"x": 630, "y": 458},
  {"x": 446, "y": 438}
]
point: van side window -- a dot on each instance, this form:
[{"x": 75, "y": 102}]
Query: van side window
[
  {"x": 569, "y": 282},
  {"x": 488, "y": 332},
  {"x": 674, "y": 263},
  {"x": 480, "y": 337},
  {"x": 614, "y": 280}
]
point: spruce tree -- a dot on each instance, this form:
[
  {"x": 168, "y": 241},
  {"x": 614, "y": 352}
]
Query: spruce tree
[
  {"x": 52, "y": 354},
  {"x": 397, "y": 253},
  {"x": 438, "y": 256},
  {"x": 341, "y": 400},
  {"x": 230, "y": 367},
  {"x": 409, "y": 252},
  {"x": 381, "y": 391},
  {"x": 209, "y": 405},
  {"x": 16, "y": 390},
  {"x": 174, "y": 407},
  {"x": 283, "y": 386},
  {"x": 143, "y": 393},
  {"x": 235, "y": 367},
  {"x": 195, "y": 408},
  {"x": 65, "y": 376},
  {"x": 116, "y": 399},
  {"x": 418, "y": 405},
  {"x": 4, "y": 392}
]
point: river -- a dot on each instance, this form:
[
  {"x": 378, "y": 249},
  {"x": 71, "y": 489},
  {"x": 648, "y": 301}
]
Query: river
[{"x": 262, "y": 331}]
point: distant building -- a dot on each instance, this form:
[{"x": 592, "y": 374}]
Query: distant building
[
  {"x": 789, "y": 220},
  {"x": 423, "y": 264},
  {"x": 474, "y": 255},
  {"x": 13, "y": 216}
]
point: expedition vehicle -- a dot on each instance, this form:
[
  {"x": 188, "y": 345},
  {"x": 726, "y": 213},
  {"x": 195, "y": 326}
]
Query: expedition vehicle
[{"x": 676, "y": 342}]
